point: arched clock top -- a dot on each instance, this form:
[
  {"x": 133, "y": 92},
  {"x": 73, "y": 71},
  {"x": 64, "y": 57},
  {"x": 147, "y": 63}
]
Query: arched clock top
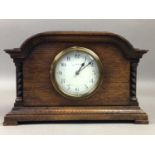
[{"x": 125, "y": 47}]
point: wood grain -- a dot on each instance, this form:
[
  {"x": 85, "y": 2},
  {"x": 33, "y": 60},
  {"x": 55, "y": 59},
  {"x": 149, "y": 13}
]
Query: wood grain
[
  {"x": 59, "y": 114},
  {"x": 38, "y": 89}
]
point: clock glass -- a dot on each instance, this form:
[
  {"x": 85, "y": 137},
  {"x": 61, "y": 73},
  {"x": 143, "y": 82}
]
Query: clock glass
[{"x": 76, "y": 72}]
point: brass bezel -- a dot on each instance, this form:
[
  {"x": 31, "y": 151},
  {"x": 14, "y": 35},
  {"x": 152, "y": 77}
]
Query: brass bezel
[{"x": 66, "y": 51}]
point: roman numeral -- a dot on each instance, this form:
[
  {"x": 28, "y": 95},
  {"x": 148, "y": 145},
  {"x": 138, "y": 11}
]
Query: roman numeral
[
  {"x": 92, "y": 80},
  {"x": 59, "y": 72},
  {"x": 68, "y": 58},
  {"x": 77, "y": 89},
  {"x": 63, "y": 64},
  {"x": 77, "y": 55},
  {"x": 86, "y": 86},
  {"x": 63, "y": 81}
]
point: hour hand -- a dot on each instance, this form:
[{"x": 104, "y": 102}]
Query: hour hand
[
  {"x": 78, "y": 71},
  {"x": 81, "y": 68}
]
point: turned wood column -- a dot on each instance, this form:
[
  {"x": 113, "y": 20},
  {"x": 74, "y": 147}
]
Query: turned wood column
[
  {"x": 133, "y": 81},
  {"x": 19, "y": 83}
]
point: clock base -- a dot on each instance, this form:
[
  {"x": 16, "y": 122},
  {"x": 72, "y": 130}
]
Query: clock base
[{"x": 84, "y": 114}]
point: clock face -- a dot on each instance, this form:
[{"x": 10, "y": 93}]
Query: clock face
[{"x": 76, "y": 72}]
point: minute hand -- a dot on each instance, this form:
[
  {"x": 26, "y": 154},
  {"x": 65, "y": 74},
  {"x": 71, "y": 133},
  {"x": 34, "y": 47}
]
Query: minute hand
[{"x": 84, "y": 67}]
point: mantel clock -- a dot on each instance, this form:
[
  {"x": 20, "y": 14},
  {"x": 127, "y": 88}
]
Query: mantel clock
[{"x": 76, "y": 76}]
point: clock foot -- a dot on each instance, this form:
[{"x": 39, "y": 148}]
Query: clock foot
[
  {"x": 142, "y": 121},
  {"x": 9, "y": 122}
]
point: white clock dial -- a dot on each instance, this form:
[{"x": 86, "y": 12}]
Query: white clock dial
[{"x": 76, "y": 72}]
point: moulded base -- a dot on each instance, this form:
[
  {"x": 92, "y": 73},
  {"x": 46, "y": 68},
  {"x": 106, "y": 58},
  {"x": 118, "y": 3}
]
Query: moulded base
[{"x": 74, "y": 114}]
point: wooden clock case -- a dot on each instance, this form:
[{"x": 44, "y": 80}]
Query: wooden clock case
[{"x": 38, "y": 101}]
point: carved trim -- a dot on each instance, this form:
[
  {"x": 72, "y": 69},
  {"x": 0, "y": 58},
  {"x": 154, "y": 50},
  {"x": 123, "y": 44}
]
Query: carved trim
[
  {"x": 76, "y": 110},
  {"x": 133, "y": 81},
  {"x": 19, "y": 83},
  {"x": 15, "y": 53}
]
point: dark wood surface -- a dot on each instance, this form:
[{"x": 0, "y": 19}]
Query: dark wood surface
[
  {"x": 38, "y": 90},
  {"x": 62, "y": 114},
  {"x": 37, "y": 100}
]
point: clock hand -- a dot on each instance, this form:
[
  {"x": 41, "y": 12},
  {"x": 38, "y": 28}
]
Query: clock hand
[{"x": 78, "y": 71}]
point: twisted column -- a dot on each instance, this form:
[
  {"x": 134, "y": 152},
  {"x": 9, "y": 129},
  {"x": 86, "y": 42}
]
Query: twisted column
[
  {"x": 19, "y": 83},
  {"x": 133, "y": 80}
]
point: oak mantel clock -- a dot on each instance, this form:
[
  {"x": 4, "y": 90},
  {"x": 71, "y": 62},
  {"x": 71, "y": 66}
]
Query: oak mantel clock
[{"x": 76, "y": 76}]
